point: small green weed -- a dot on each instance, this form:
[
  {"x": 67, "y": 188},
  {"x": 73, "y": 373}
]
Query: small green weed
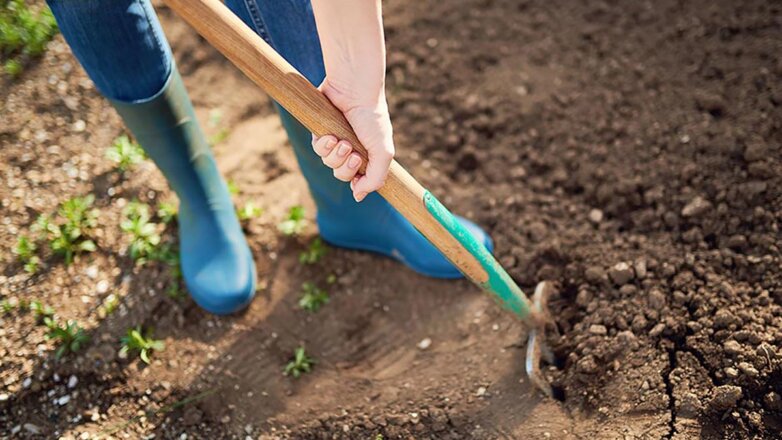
[
  {"x": 315, "y": 251},
  {"x": 13, "y": 68},
  {"x": 313, "y": 297},
  {"x": 109, "y": 305},
  {"x": 248, "y": 211},
  {"x": 70, "y": 338},
  {"x": 167, "y": 211},
  {"x": 300, "y": 364},
  {"x": 294, "y": 223},
  {"x": 23, "y": 33},
  {"x": 215, "y": 117},
  {"x": 41, "y": 311},
  {"x": 67, "y": 234},
  {"x": 6, "y": 306},
  {"x": 125, "y": 153},
  {"x": 143, "y": 233},
  {"x": 136, "y": 341},
  {"x": 233, "y": 188},
  {"x": 25, "y": 252}
]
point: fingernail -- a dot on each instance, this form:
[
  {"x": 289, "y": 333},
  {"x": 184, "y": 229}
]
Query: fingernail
[
  {"x": 330, "y": 144},
  {"x": 360, "y": 196},
  {"x": 343, "y": 150},
  {"x": 354, "y": 161}
]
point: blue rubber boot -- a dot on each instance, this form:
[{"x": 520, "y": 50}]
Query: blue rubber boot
[
  {"x": 217, "y": 264},
  {"x": 372, "y": 225}
]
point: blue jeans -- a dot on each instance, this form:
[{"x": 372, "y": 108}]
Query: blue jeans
[{"x": 123, "y": 49}]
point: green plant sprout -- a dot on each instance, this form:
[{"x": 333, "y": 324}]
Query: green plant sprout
[
  {"x": 42, "y": 226},
  {"x": 41, "y": 311},
  {"x": 125, "y": 153},
  {"x": 7, "y": 306},
  {"x": 331, "y": 279},
  {"x": 314, "y": 252},
  {"x": 233, "y": 188},
  {"x": 71, "y": 338},
  {"x": 143, "y": 233},
  {"x": 13, "y": 68},
  {"x": 215, "y": 117},
  {"x": 248, "y": 211},
  {"x": 166, "y": 212},
  {"x": 67, "y": 235},
  {"x": 300, "y": 364},
  {"x": 313, "y": 297},
  {"x": 109, "y": 305},
  {"x": 294, "y": 223},
  {"x": 23, "y": 33},
  {"x": 136, "y": 341},
  {"x": 25, "y": 252}
]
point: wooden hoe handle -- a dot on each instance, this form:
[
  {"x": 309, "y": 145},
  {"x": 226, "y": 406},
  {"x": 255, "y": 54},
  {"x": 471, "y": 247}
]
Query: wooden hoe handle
[{"x": 263, "y": 65}]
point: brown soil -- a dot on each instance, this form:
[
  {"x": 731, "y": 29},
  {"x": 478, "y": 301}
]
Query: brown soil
[{"x": 630, "y": 151}]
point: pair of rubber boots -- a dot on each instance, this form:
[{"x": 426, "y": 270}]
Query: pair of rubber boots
[{"x": 216, "y": 261}]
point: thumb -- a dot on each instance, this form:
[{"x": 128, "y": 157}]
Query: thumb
[{"x": 375, "y": 177}]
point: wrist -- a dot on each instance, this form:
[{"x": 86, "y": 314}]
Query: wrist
[{"x": 350, "y": 95}]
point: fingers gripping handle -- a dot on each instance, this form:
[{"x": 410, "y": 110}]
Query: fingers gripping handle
[{"x": 264, "y": 66}]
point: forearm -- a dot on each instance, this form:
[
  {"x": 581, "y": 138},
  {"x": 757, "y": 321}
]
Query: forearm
[{"x": 353, "y": 45}]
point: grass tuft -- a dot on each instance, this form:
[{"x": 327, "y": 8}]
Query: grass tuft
[
  {"x": 294, "y": 223},
  {"x": 300, "y": 364},
  {"x": 24, "y": 33},
  {"x": 137, "y": 342}
]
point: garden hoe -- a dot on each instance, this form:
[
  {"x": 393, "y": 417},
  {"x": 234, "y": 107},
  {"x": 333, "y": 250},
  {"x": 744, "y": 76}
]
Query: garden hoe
[{"x": 262, "y": 64}]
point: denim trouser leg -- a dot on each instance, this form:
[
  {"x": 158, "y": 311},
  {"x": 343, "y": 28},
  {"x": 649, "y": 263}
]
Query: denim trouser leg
[{"x": 119, "y": 43}]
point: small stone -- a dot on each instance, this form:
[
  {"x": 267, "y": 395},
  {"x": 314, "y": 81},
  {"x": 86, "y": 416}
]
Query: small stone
[
  {"x": 32, "y": 429},
  {"x": 597, "y": 329},
  {"x": 4, "y": 397},
  {"x": 640, "y": 269},
  {"x": 689, "y": 406},
  {"x": 731, "y": 347},
  {"x": 587, "y": 365},
  {"x": 79, "y": 126},
  {"x": 102, "y": 287},
  {"x": 656, "y": 299},
  {"x": 27, "y": 382},
  {"x": 425, "y": 343},
  {"x": 627, "y": 290},
  {"x": 748, "y": 369},
  {"x": 696, "y": 207},
  {"x": 772, "y": 401},
  {"x": 481, "y": 392},
  {"x": 595, "y": 216},
  {"x": 92, "y": 272},
  {"x": 736, "y": 241},
  {"x": 537, "y": 231},
  {"x": 725, "y": 397},
  {"x": 583, "y": 298},
  {"x": 723, "y": 319},
  {"x": 73, "y": 381},
  {"x": 755, "y": 150},
  {"x": 621, "y": 274},
  {"x": 731, "y": 372},
  {"x": 64, "y": 400},
  {"x": 594, "y": 274},
  {"x": 657, "y": 330}
]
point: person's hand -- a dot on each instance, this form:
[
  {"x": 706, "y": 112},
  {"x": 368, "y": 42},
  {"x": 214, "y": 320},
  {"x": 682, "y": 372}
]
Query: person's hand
[{"x": 372, "y": 125}]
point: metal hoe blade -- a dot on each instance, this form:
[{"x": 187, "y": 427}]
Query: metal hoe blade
[{"x": 537, "y": 349}]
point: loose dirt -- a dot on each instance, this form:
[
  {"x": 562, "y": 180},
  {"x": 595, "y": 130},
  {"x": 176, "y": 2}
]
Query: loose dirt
[{"x": 628, "y": 151}]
